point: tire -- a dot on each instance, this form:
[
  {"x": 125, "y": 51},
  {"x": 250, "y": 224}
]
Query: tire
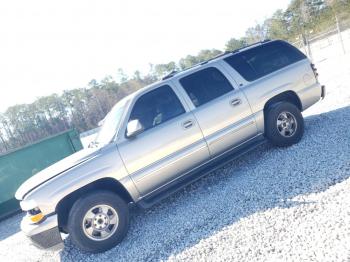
[
  {"x": 284, "y": 125},
  {"x": 98, "y": 221}
]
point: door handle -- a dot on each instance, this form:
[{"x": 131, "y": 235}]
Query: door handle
[
  {"x": 187, "y": 124},
  {"x": 235, "y": 102}
]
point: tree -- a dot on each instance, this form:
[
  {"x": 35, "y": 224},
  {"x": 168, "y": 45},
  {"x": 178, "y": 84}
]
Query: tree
[
  {"x": 234, "y": 44},
  {"x": 278, "y": 26},
  {"x": 257, "y": 33},
  {"x": 121, "y": 76},
  {"x": 202, "y": 56},
  {"x": 161, "y": 70}
]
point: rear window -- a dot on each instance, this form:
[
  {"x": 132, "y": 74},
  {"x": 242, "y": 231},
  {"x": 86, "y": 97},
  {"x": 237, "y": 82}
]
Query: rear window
[{"x": 265, "y": 59}]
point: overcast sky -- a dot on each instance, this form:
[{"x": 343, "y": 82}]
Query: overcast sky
[{"x": 48, "y": 46}]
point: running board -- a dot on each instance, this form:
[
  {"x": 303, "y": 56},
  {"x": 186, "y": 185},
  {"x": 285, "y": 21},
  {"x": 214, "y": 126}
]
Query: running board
[{"x": 203, "y": 170}]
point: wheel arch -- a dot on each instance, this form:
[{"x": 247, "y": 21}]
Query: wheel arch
[
  {"x": 287, "y": 96},
  {"x": 65, "y": 204}
]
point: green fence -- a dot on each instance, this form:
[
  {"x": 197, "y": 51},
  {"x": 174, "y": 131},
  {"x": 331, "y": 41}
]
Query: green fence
[{"x": 17, "y": 166}]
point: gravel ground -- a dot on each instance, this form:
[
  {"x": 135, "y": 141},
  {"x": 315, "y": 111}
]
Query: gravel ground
[{"x": 270, "y": 205}]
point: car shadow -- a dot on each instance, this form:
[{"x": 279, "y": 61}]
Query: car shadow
[
  {"x": 10, "y": 226},
  {"x": 263, "y": 179}
]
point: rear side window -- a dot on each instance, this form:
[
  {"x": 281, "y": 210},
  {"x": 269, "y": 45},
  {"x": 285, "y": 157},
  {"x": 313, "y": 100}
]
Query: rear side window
[
  {"x": 205, "y": 85},
  {"x": 157, "y": 107},
  {"x": 265, "y": 59}
]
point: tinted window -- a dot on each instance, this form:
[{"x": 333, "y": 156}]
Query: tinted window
[
  {"x": 205, "y": 85},
  {"x": 157, "y": 107},
  {"x": 265, "y": 59}
]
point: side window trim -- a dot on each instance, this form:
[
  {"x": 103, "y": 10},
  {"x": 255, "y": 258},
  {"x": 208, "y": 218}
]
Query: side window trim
[
  {"x": 177, "y": 88},
  {"x": 219, "y": 67},
  {"x": 237, "y": 79},
  {"x": 232, "y": 78}
]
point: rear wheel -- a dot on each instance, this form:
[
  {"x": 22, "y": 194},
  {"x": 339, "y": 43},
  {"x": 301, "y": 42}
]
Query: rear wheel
[
  {"x": 284, "y": 125},
  {"x": 98, "y": 221}
]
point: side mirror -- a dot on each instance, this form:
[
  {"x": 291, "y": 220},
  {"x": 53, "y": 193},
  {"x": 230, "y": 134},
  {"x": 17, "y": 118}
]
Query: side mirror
[
  {"x": 134, "y": 128},
  {"x": 100, "y": 123}
]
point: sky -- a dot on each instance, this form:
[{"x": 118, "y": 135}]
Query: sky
[{"x": 49, "y": 46}]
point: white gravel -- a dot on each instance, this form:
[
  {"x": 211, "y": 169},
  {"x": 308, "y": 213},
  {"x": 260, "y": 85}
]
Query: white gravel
[{"x": 272, "y": 204}]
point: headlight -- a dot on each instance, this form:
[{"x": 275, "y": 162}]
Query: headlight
[{"x": 35, "y": 215}]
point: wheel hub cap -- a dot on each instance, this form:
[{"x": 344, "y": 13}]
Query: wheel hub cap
[
  {"x": 100, "y": 222},
  {"x": 286, "y": 124}
]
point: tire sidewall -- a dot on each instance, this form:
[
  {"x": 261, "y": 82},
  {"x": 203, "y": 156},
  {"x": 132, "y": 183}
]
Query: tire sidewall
[
  {"x": 78, "y": 211},
  {"x": 271, "y": 130}
]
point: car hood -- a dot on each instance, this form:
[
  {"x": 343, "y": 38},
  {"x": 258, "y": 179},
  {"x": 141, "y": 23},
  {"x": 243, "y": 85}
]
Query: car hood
[{"x": 54, "y": 170}]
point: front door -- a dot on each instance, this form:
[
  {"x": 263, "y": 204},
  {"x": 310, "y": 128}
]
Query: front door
[
  {"x": 171, "y": 143},
  {"x": 222, "y": 111}
]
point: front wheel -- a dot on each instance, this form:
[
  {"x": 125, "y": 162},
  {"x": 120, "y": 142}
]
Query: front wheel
[
  {"x": 98, "y": 221},
  {"x": 284, "y": 125}
]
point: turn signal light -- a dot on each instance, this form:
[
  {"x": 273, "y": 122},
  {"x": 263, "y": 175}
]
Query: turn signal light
[
  {"x": 35, "y": 215},
  {"x": 36, "y": 218}
]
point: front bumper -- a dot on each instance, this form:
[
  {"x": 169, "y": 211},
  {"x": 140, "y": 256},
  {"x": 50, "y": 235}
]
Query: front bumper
[{"x": 45, "y": 234}]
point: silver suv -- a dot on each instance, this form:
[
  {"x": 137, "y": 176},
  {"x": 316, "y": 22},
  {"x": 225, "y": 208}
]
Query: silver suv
[{"x": 164, "y": 136}]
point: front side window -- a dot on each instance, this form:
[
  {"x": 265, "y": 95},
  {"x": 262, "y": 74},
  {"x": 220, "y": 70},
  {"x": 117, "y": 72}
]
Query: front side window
[
  {"x": 265, "y": 59},
  {"x": 157, "y": 107},
  {"x": 205, "y": 85}
]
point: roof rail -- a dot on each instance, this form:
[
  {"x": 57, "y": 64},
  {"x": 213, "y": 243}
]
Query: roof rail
[
  {"x": 174, "y": 72},
  {"x": 250, "y": 45},
  {"x": 220, "y": 55},
  {"x": 171, "y": 74}
]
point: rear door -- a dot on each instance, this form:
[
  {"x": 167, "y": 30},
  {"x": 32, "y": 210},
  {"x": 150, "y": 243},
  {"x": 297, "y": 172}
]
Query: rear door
[
  {"x": 220, "y": 108},
  {"x": 171, "y": 144}
]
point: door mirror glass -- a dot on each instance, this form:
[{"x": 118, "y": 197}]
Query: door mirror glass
[{"x": 134, "y": 128}]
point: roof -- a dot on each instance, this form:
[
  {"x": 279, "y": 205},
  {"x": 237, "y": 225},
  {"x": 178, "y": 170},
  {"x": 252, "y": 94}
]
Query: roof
[
  {"x": 221, "y": 56},
  {"x": 175, "y": 73}
]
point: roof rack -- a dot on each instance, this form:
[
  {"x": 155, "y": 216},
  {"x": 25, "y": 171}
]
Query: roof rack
[
  {"x": 247, "y": 46},
  {"x": 171, "y": 74},
  {"x": 174, "y": 72},
  {"x": 215, "y": 57}
]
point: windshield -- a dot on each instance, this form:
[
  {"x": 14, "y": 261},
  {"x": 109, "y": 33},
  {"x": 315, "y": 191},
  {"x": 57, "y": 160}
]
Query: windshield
[{"x": 110, "y": 124}]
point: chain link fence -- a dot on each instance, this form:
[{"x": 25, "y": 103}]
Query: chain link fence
[{"x": 334, "y": 41}]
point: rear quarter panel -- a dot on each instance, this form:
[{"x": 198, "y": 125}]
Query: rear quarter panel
[{"x": 297, "y": 77}]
